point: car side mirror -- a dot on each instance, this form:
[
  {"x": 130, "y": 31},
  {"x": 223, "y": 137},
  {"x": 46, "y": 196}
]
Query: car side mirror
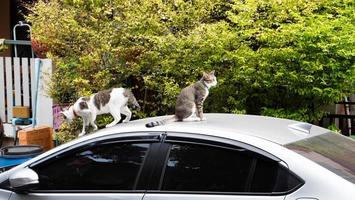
[{"x": 23, "y": 180}]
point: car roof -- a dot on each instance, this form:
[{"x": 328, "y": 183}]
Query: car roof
[
  {"x": 232, "y": 126},
  {"x": 280, "y": 131}
]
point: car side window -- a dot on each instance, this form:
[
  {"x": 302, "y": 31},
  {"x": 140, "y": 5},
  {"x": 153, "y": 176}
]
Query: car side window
[
  {"x": 112, "y": 166},
  {"x": 205, "y": 168}
]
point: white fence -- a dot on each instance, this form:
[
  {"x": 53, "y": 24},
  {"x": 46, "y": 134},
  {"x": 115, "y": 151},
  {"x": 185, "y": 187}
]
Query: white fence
[{"x": 18, "y": 88}]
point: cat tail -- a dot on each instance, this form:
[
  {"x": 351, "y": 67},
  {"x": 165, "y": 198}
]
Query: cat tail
[{"x": 160, "y": 123}]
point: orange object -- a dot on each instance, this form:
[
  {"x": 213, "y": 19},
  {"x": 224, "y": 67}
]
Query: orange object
[
  {"x": 41, "y": 135},
  {"x": 21, "y": 112}
]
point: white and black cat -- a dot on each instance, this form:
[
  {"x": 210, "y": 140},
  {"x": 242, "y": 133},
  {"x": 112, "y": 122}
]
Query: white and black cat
[
  {"x": 190, "y": 101},
  {"x": 113, "y": 101}
]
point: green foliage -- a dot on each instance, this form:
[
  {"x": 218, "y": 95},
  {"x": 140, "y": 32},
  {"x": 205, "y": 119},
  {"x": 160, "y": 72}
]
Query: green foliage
[
  {"x": 334, "y": 128},
  {"x": 68, "y": 132},
  {"x": 2, "y": 47},
  {"x": 273, "y": 57}
]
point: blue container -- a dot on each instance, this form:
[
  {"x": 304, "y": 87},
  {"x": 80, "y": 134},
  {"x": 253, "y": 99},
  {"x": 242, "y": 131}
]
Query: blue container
[{"x": 15, "y": 155}]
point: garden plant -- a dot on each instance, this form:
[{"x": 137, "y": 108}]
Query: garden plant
[{"x": 272, "y": 57}]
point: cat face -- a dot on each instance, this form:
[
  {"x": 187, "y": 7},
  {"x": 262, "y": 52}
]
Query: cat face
[
  {"x": 68, "y": 114},
  {"x": 210, "y": 79}
]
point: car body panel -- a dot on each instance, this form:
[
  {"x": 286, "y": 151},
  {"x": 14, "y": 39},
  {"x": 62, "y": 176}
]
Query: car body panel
[
  {"x": 5, "y": 194},
  {"x": 152, "y": 196},
  {"x": 269, "y": 128},
  {"x": 77, "y": 196},
  {"x": 265, "y": 133},
  {"x": 313, "y": 174}
]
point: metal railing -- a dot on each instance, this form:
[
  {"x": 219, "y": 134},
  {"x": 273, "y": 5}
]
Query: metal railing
[{"x": 345, "y": 122}]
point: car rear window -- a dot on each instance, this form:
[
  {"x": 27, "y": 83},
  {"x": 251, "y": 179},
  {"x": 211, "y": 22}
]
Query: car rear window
[{"x": 332, "y": 151}]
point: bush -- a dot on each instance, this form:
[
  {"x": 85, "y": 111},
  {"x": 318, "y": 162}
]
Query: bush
[
  {"x": 272, "y": 57},
  {"x": 2, "y": 47},
  {"x": 68, "y": 132},
  {"x": 334, "y": 128}
]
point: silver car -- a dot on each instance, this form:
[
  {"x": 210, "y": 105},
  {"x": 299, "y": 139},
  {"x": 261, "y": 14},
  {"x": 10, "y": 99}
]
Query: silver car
[{"x": 229, "y": 157}]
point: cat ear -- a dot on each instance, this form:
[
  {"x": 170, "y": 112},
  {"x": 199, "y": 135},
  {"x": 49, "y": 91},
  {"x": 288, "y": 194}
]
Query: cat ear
[
  {"x": 64, "y": 108},
  {"x": 212, "y": 72},
  {"x": 63, "y": 115},
  {"x": 204, "y": 74}
]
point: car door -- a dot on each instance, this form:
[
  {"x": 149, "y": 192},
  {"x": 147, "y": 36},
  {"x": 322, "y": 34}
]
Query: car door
[
  {"x": 200, "y": 168},
  {"x": 98, "y": 170}
]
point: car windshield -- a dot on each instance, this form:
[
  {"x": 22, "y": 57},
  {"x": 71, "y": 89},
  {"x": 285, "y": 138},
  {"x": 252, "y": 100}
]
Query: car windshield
[{"x": 330, "y": 150}]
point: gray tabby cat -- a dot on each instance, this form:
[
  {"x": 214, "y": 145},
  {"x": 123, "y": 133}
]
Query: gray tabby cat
[{"x": 190, "y": 101}]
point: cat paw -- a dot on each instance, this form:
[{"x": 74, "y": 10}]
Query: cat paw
[
  {"x": 94, "y": 126},
  {"x": 109, "y": 125},
  {"x": 203, "y": 119},
  {"x": 81, "y": 134},
  {"x": 196, "y": 119},
  {"x": 125, "y": 121}
]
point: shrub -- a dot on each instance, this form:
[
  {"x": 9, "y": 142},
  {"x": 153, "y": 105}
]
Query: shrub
[{"x": 272, "y": 57}]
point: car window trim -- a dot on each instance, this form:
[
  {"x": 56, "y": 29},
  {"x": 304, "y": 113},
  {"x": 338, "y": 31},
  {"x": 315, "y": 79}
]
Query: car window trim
[
  {"x": 153, "y": 139},
  {"x": 178, "y": 137},
  {"x": 136, "y": 181},
  {"x": 83, "y": 191},
  {"x": 149, "y": 166},
  {"x": 163, "y": 164},
  {"x": 100, "y": 140},
  {"x": 251, "y": 174},
  {"x": 195, "y": 138},
  {"x": 170, "y": 143},
  {"x": 222, "y": 193}
]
